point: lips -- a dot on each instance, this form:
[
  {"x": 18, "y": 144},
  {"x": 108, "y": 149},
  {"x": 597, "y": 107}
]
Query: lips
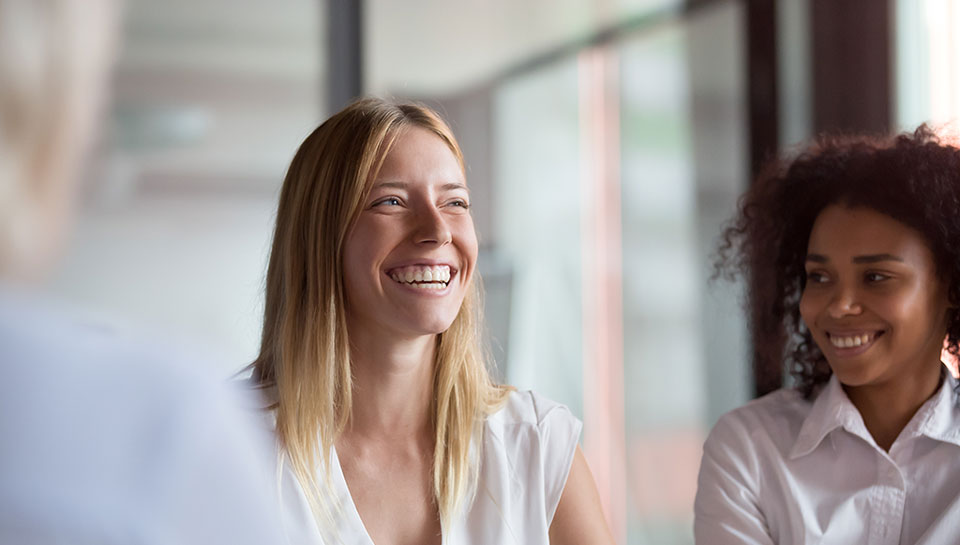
[
  {"x": 853, "y": 342},
  {"x": 429, "y": 276}
]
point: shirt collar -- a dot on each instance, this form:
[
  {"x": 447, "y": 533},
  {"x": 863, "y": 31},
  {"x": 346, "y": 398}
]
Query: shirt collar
[
  {"x": 938, "y": 418},
  {"x": 831, "y": 409}
]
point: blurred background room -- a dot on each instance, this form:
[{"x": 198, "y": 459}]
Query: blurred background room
[{"x": 606, "y": 142}]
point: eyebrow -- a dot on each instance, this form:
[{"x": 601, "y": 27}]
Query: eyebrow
[
  {"x": 860, "y": 259},
  {"x": 403, "y": 185}
]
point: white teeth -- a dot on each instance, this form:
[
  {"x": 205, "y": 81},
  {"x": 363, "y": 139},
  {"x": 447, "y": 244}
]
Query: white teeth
[
  {"x": 850, "y": 342},
  {"x": 423, "y": 277},
  {"x": 430, "y": 285}
]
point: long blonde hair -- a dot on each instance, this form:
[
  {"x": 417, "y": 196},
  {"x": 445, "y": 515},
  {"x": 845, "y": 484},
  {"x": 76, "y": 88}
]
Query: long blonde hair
[{"x": 304, "y": 351}]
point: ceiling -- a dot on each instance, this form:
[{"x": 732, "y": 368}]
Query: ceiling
[
  {"x": 216, "y": 95},
  {"x": 430, "y": 47}
]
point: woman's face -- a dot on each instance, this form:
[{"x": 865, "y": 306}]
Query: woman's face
[
  {"x": 873, "y": 301},
  {"x": 409, "y": 257}
]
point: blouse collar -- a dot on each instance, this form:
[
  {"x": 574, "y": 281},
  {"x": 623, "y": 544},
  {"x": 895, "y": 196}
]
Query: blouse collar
[{"x": 938, "y": 418}]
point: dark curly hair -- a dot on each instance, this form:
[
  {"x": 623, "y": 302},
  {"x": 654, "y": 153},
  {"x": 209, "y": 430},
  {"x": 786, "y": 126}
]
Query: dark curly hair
[{"x": 913, "y": 178}]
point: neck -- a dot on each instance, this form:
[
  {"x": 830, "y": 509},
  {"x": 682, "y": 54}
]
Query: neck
[
  {"x": 392, "y": 386},
  {"x": 888, "y": 407}
]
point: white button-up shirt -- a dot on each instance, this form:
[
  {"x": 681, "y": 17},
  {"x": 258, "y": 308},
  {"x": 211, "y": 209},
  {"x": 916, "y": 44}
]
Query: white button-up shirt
[{"x": 786, "y": 470}]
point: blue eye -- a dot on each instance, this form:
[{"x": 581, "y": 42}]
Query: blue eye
[{"x": 389, "y": 201}]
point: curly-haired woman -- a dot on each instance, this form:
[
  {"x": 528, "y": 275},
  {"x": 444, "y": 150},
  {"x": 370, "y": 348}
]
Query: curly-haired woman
[{"x": 852, "y": 254}]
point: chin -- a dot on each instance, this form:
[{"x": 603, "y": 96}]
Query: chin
[
  {"x": 853, "y": 376},
  {"x": 429, "y": 327},
  {"x": 437, "y": 329},
  {"x": 430, "y": 321}
]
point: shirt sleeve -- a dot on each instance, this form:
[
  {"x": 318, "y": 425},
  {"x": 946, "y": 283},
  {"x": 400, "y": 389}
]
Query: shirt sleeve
[
  {"x": 559, "y": 437},
  {"x": 727, "y": 508}
]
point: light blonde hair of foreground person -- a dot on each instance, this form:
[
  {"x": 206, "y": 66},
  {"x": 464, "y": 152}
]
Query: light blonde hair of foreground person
[
  {"x": 54, "y": 57},
  {"x": 305, "y": 347}
]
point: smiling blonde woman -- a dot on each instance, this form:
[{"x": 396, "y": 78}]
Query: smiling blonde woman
[{"x": 390, "y": 428}]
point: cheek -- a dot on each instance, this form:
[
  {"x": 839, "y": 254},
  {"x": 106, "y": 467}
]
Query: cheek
[
  {"x": 808, "y": 308},
  {"x": 352, "y": 251},
  {"x": 931, "y": 306},
  {"x": 467, "y": 236},
  {"x": 360, "y": 262},
  {"x": 351, "y": 279},
  {"x": 366, "y": 244},
  {"x": 908, "y": 302}
]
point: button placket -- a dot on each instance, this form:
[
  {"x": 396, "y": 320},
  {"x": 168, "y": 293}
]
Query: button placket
[{"x": 888, "y": 502}]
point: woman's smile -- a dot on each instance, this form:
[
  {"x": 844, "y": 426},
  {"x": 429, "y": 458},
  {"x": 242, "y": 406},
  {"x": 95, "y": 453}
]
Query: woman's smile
[
  {"x": 847, "y": 344},
  {"x": 410, "y": 254},
  {"x": 430, "y": 280}
]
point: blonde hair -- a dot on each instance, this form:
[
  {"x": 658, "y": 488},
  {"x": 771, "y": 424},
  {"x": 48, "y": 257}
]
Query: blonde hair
[
  {"x": 304, "y": 350},
  {"x": 54, "y": 57}
]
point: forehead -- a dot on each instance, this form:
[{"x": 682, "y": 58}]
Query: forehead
[
  {"x": 842, "y": 231},
  {"x": 419, "y": 155}
]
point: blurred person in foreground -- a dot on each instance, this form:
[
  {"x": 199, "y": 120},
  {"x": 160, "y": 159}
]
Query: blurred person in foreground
[
  {"x": 102, "y": 439},
  {"x": 852, "y": 254},
  {"x": 392, "y": 430}
]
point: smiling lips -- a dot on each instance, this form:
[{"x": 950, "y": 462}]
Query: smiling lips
[
  {"x": 852, "y": 340},
  {"x": 422, "y": 276}
]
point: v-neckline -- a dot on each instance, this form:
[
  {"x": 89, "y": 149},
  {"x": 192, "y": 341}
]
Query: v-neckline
[
  {"x": 351, "y": 507},
  {"x": 352, "y": 512}
]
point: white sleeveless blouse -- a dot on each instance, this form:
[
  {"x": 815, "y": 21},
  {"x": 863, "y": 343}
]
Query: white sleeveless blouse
[{"x": 528, "y": 448}]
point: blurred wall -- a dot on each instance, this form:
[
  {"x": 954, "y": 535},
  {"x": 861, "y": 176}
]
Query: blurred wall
[{"x": 211, "y": 100}]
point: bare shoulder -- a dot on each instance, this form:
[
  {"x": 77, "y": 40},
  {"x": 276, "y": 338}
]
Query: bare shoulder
[{"x": 579, "y": 517}]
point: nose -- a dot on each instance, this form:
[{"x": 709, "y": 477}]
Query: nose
[
  {"x": 844, "y": 302},
  {"x": 432, "y": 227}
]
